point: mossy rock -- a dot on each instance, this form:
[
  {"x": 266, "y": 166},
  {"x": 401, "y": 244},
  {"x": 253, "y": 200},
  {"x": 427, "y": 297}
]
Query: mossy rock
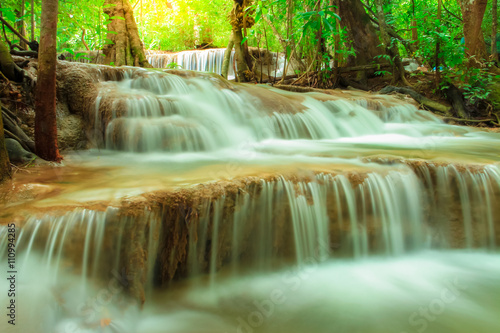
[{"x": 17, "y": 154}]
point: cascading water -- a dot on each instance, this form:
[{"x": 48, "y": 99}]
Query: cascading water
[
  {"x": 209, "y": 60},
  {"x": 218, "y": 207}
]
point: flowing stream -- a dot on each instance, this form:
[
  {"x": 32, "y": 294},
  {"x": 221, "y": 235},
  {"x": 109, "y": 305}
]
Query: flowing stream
[{"x": 209, "y": 206}]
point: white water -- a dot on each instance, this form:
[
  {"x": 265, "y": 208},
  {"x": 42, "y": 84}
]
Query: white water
[
  {"x": 164, "y": 112},
  {"x": 437, "y": 292},
  {"x": 209, "y": 60},
  {"x": 348, "y": 254}
]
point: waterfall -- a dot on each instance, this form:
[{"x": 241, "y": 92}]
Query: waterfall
[
  {"x": 205, "y": 201},
  {"x": 153, "y": 111},
  {"x": 265, "y": 222},
  {"x": 209, "y": 60}
]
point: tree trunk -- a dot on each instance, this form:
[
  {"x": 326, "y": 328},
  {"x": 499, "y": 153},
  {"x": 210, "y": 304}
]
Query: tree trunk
[
  {"x": 336, "y": 46},
  {"x": 472, "y": 15},
  {"x": 32, "y": 20},
  {"x": 242, "y": 66},
  {"x": 21, "y": 26},
  {"x": 361, "y": 32},
  {"x": 227, "y": 58},
  {"x": 45, "y": 95},
  {"x": 241, "y": 18},
  {"x": 438, "y": 49},
  {"x": 414, "y": 31},
  {"x": 9, "y": 69},
  {"x": 494, "y": 27},
  {"x": 4, "y": 157},
  {"x": 126, "y": 48},
  {"x": 392, "y": 49}
]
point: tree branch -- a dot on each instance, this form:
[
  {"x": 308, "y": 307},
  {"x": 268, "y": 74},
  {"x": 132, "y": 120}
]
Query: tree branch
[
  {"x": 449, "y": 12},
  {"x": 21, "y": 37}
]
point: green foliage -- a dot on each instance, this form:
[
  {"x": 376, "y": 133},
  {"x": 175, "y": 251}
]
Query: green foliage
[
  {"x": 308, "y": 30},
  {"x": 474, "y": 81},
  {"x": 382, "y": 73},
  {"x": 173, "y": 65},
  {"x": 183, "y": 25},
  {"x": 77, "y": 55}
]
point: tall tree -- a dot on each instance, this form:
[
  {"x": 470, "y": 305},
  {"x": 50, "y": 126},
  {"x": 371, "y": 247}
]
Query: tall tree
[
  {"x": 414, "y": 31},
  {"x": 21, "y": 27},
  {"x": 392, "y": 48},
  {"x": 126, "y": 48},
  {"x": 494, "y": 27},
  {"x": 438, "y": 47},
  {"x": 472, "y": 15},
  {"x": 45, "y": 95},
  {"x": 361, "y": 32},
  {"x": 240, "y": 19},
  {"x": 32, "y": 20}
]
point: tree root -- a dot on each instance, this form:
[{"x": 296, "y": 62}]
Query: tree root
[
  {"x": 461, "y": 120},
  {"x": 13, "y": 136},
  {"x": 456, "y": 98},
  {"x": 25, "y": 53},
  {"x": 15, "y": 132},
  {"x": 424, "y": 101},
  {"x": 10, "y": 114}
]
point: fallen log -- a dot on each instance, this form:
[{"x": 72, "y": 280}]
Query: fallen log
[
  {"x": 370, "y": 66},
  {"x": 460, "y": 120},
  {"x": 276, "y": 79},
  {"x": 296, "y": 88},
  {"x": 422, "y": 100}
]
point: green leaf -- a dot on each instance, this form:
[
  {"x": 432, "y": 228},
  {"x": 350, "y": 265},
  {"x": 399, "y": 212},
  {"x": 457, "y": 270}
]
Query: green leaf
[
  {"x": 117, "y": 18},
  {"x": 244, "y": 40},
  {"x": 308, "y": 15},
  {"x": 9, "y": 14},
  {"x": 258, "y": 16},
  {"x": 328, "y": 26}
]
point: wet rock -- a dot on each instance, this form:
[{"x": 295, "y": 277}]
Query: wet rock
[{"x": 70, "y": 129}]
